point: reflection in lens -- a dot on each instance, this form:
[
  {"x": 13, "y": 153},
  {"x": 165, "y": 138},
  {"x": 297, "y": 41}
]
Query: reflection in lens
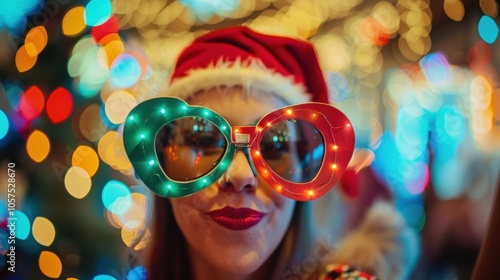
[
  {"x": 189, "y": 148},
  {"x": 294, "y": 150}
]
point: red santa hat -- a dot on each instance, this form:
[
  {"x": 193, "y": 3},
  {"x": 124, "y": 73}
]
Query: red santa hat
[{"x": 239, "y": 56}]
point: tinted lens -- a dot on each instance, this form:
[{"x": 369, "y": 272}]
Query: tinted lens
[
  {"x": 294, "y": 149},
  {"x": 189, "y": 148}
]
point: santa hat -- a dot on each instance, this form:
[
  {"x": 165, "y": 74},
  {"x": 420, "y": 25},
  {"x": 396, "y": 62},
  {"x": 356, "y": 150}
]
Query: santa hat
[{"x": 239, "y": 56}]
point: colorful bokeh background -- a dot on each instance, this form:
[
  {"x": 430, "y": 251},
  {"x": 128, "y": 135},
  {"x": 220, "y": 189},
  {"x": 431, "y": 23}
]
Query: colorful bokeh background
[{"x": 418, "y": 79}]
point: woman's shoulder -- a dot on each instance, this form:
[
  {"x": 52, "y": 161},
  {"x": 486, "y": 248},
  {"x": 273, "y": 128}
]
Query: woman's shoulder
[{"x": 381, "y": 245}]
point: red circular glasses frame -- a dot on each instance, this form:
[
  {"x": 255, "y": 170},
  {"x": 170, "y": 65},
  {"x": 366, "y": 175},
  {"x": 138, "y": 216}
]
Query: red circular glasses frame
[{"x": 338, "y": 137}]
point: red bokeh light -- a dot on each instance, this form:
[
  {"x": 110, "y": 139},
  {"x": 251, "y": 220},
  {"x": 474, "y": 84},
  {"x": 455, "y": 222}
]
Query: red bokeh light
[
  {"x": 59, "y": 105},
  {"x": 32, "y": 103},
  {"x": 101, "y": 31}
]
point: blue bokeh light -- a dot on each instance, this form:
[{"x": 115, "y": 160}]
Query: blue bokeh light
[
  {"x": 97, "y": 12},
  {"x": 4, "y": 124},
  {"x": 436, "y": 68},
  {"x": 206, "y": 9},
  {"x": 116, "y": 197},
  {"x": 23, "y": 225},
  {"x": 338, "y": 87},
  {"x": 13, "y": 17},
  {"x": 125, "y": 71},
  {"x": 488, "y": 29},
  {"x": 137, "y": 273},
  {"x": 104, "y": 277}
]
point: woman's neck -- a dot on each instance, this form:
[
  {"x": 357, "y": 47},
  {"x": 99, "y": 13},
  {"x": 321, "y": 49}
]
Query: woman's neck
[{"x": 201, "y": 270}]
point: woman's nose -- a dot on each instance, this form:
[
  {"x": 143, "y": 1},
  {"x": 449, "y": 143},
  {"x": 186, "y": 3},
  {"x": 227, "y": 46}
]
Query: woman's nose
[{"x": 239, "y": 175}]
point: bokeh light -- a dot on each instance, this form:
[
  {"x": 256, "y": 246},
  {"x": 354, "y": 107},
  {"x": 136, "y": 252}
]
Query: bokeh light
[
  {"x": 4, "y": 124},
  {"x": 118, "y": 105},
  {"x": 436, "y": 68},
  {"x": 130, "y": 236},
  {"x": 50, "y": 264},
  {"x": 24, "y": 61},
  {"x": 36, "y": 40},
  {"x": 125, "y": 71},
  {"x": 23, "y": 226},
  {"x": 32, "y": 103},
  {"x": 137, "y": 273},
  {"x": 59, "y": 105},
  {"x": 488, "y": 29},
  {"x": 113, "y": 47},
  {"x": 116, "y": 197},
  {"x": 97, "y": 12},
  {"x": 13, "y": 17},
  {"x": 77, "y": 182},
  {"x": 38, "y": 146},
  {"x": 454, "y": 9},
  {"x": 135, "y": 214},
  {"x": 104, "y": 277},
  {"x": 105, "y": 143},
  {"x": 73, "y": 22},
  {"x": 85, "y": 157},
  {"x": 87, "y": 63},
  {"x": 204, "y": 10},
  {"x": 90, "y": 124},
  {"x": 111, "y": 26},
  {"x": 489, "y": 7},
  {"x": 43, "y": 231}
]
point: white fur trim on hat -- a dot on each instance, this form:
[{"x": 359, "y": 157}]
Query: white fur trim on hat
[{"x": 250, "y": 74}]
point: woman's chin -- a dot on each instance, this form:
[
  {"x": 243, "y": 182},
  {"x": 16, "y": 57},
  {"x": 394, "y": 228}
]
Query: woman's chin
[{"x": 240, "y": 265}]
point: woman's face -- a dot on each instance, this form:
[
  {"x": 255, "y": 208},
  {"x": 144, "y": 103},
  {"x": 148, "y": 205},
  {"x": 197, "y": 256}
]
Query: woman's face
[{"x": 234, "y": 225}]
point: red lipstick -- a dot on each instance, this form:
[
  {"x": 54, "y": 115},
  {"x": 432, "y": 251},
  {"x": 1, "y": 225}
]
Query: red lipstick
[{"x": 236, "y": 218}]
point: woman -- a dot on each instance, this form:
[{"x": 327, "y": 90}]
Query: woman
[{"x": 210, "y": 221}]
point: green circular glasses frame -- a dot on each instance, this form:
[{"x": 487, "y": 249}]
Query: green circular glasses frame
[{"x": 145, "y": 121}]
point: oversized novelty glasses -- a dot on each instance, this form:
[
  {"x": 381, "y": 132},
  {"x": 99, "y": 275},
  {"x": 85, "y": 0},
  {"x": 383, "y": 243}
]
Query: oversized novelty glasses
[{"x": 178, "y": 149}]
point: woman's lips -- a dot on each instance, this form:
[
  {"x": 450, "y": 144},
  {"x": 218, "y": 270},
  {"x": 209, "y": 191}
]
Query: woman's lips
[{"x": 236, "y": 218}]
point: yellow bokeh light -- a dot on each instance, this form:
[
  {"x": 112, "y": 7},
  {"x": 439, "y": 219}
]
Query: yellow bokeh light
[
  {"x": 387, "y": 15},
  {"x": 112, "y": 219},
  {"x": 118, "y": 105},
  {"x": 106, "y": 141},
  {"x": 24, "y": 61},
  {"x": 334, "y": 53},
  {"x": 90, "y": 123},
  {"x": 133, "y": 217},
  {"x": 38, "y": 146},
  {"x": 489, "y": 7},
  {"x": 73, "y": 22},
  {"x": 130, "y": 236},
  {"x": 116, "y": 155},
  {"x": 36, "y": 39},
  {"x": 43, "y": 231},
  {"x": 86, "y": 158},
  {"x": 50, "y": 264},
  {"x": 454, "y": 9},
  {"x": 113, "y": 47},
  {"x": 77, "y": 182}
]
